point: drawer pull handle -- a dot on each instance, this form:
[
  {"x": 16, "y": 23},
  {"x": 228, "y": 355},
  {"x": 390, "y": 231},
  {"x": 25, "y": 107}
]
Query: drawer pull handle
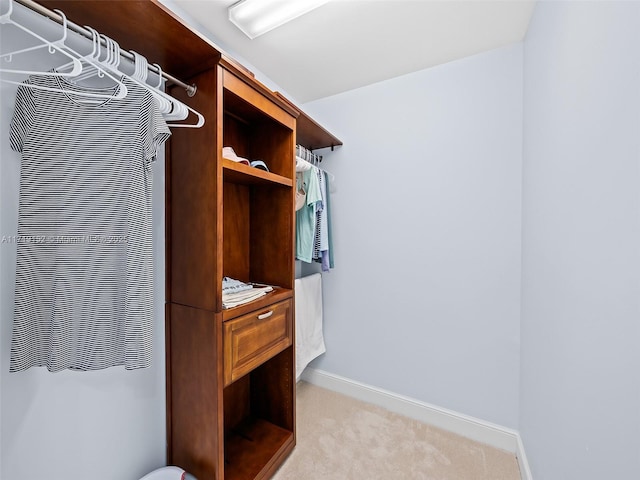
[{"x": 265, "y": 315}]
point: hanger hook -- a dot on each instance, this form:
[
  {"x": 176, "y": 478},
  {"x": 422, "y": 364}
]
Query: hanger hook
[
  {"x": 141, "y": 66},
  {"x": 5, "y": 16},
  {"x": 107, "y": 49},
  {"x": 95, "y": 43},
  {"x": 136, "y": 64},
  {"x": 113, "y": 52},
  {"x": 64, "y": 27},
  {"x": 116, "y": 53},
  {"x": 159, "y": 75}
]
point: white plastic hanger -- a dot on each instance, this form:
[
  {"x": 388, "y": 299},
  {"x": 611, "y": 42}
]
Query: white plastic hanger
[
  {"x": 302, "y": 165},
  {"x": 170, "y": 107},
  {"x": 94, "y": 66},
  {"x": 90, "y": 68},
  {"x": 165, "y": 102},
  {"x": 305, "y": 160},
  {"x": 53, "y": 47},
  {"x": 182, "y": 109},
  {"x": 76, "y": 60}
]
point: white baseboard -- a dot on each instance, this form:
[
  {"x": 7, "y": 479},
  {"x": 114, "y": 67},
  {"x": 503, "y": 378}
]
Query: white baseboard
[
  {"x": 485, "y": 432},
  {"x": 525, "y": 471}
]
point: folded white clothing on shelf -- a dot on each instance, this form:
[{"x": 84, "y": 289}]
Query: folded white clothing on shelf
[
  {"x": 245, "y": 294},
  {"x": 230, "y": 285},
  {"x": 234, "y": 303},
  {"x": 235, "y": 292}
]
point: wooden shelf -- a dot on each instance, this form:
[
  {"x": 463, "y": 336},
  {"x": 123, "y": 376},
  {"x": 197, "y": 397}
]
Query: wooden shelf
[
  {"x": 270, "y": 298},
  {"x": 260, "y": 99},
  {"x": 309, "y": 133},
  {"x": 252, "y": 450},
  {"x": 240, "y": 173}
]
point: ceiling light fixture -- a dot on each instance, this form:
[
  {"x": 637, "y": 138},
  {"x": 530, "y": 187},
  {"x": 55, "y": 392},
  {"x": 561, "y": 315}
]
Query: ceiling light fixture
[{"x": 256, "y": 17}]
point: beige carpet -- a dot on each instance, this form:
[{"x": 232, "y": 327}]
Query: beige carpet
[{"x": 340, "y": 438}]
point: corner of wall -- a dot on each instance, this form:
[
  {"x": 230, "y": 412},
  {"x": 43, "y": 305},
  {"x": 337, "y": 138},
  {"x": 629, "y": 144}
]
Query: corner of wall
[{"x": 523, "y": 462}]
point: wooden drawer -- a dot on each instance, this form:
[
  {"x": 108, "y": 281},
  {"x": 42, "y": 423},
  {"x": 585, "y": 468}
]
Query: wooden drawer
[{"x": 252, "y": 339}]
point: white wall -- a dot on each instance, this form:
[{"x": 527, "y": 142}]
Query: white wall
[
  {"x": 580, "y": 395},
  {"x": 104, "y": 425},
  {"x": 425, "y": 297}
]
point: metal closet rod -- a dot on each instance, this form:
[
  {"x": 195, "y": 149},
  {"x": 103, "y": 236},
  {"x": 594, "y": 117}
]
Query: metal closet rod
[{"x": 36, "y": 7}]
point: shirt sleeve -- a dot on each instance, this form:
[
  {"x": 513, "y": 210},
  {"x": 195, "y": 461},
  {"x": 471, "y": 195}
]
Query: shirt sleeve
[
  {"x": 314, "y": 194},
  {"x": 23, "y": 116},
  {"x": 157, "y": 132}
]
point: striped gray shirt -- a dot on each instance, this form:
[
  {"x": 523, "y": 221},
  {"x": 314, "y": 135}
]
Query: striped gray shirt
[{"x": 84, "y": 270}]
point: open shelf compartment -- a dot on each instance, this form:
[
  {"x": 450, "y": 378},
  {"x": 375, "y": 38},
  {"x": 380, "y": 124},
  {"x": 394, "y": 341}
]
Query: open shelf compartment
[
  {"x": 259, "y": 414},
  {"x": 257, "y": 234},
  {"x": 255, "y": 134}
]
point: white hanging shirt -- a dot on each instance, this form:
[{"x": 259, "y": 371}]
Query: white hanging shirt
[{"x": 84, "y": 272}]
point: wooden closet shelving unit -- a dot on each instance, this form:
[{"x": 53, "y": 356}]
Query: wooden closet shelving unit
[{"x": 230, "y": 372}]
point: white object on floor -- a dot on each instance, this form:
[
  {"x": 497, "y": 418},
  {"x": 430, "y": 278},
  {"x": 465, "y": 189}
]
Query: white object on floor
[
  {"x": 166, "y": 473},
  {"x": 309, "y": 335}
]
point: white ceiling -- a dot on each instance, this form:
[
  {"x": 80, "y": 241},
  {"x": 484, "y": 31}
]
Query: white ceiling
[{"x": 346, "y": 44}]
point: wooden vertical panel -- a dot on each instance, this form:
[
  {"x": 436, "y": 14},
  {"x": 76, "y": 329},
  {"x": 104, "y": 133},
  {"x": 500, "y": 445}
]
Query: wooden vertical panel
[
  {"x": 196, "y": 393},
  {"x": 273, "y": 143},
  {"x": 271, "y": 233},
  {"x": 236, "y": 135},
  {"x": 237, "y": 404},
  {"x": 194, "y": 207},
  {"x": 273, "y": 390},
  {"x": 219, "y": 199},
  {"x": 168, "y": 382},
  {"x": 236, "y": 239}
]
